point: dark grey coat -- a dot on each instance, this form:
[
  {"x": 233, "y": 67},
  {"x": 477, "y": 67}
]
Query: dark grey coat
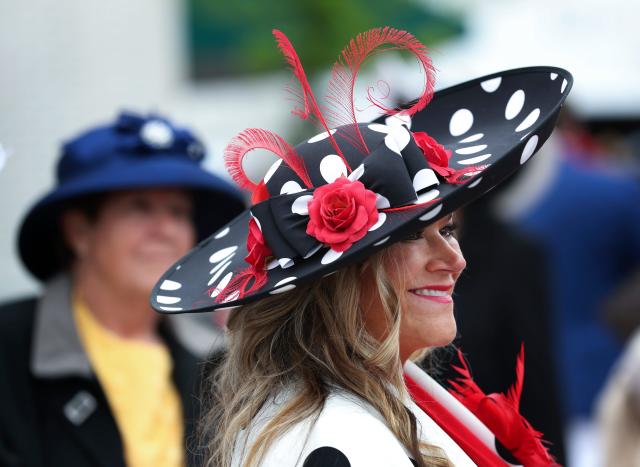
[{"x": 53, "y": 412}]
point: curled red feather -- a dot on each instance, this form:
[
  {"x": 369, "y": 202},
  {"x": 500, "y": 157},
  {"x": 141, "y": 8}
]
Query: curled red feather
[
  {"x": 256, "y": 138},
  {"x": 500, "y": 413},
  {"x": 341, "y": 95},
  {"x": 309, "y": 105}
]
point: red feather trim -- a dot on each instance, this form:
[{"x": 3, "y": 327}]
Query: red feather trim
[
  {"x": 239, "y": 287},
  {"x": 256, "y": 138},
  {"x": 463, "y": 436},
  {"x": 259, "y": 194},
  {"x": 310, "y": 106},
  {"x": 341, "y": 95},
  {"x": 462, "y": 176},
  {"x": 500, "y": 414}
]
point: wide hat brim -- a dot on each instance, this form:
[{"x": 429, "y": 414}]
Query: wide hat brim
[
  {"x": 39, "y": 237},
  {"x": 498, "y": 122}
]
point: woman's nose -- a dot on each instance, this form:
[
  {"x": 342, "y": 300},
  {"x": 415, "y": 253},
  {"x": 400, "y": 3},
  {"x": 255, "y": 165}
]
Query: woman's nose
[{"x": 448, "y": 258}]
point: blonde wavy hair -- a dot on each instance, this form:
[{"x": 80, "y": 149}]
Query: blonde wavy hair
[{"x": 312, "y": 338}]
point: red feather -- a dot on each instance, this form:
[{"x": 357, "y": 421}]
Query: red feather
[
  {"x": 256, "y": 138},
  {"x": 500, "y": 414},
  {"x": 239, "y": 286},
  {"x": 515, "y": 392},
  {"x": 310, "y": 106},
  {"x": 341, "y": 96}
]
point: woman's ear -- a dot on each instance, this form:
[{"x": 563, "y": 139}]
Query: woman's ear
[{"x": 76, "y": 230}]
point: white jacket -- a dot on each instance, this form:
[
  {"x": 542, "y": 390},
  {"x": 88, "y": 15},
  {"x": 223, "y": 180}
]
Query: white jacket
[{"x": 348, "y": 432}]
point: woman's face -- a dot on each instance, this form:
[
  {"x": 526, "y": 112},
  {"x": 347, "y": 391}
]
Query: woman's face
[{"x": 423, "y": 270}]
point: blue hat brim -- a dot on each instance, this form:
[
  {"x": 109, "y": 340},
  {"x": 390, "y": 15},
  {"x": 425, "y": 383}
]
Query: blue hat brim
[{"x": 39, "y": 237}]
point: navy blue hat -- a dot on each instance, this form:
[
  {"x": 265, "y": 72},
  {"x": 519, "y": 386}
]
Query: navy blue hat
[{"x": 132, "y": 152}]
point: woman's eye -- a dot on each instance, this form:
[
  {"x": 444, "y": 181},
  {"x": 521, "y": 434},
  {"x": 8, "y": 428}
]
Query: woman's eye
[
  {"x": 449, "y": 230},
  {"x": 414, "y": 236}
]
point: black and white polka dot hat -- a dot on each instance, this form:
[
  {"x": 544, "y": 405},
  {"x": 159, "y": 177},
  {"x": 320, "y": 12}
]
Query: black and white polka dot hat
[{"x": 350, "y": 191}]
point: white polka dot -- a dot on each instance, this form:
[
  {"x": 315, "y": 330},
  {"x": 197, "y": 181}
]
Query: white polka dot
[
  {"x": 553, "y": 76},
  {"x": 382, "y": 217},
  {"x": 165, "y": 300},
  {"x": 397, "y": 139},
  {"x": 301, "y": 205},
  {"x": 218, "y": 273},
  {"x": 492, "y": 84},
  {"x": 170, "y": 308},
  {"x": 285, "y": 262},
  {"x": 285, "y": 281},
  {"x": 380, "y": 128},
  {"x": 178, "y": 267},
  {"x": 564, "y": 85},
  {"x": 530, "y": 120},
  {"x": 382, "y": 202},
  {"x": 332, "y": 167},
  {"x": 222, "y": 264},
  {"x": 291, "y": 187},
  {"x": 285, "y": 288},
  {"x": 313, "y": 251},
  {"x": 272, "y": 264},
  {"x": 475, "y": 160},
  {"x": 222, "y": 254},
  {"x": 232, "y": 297},
  {"x": 222, "y": 233},
  {"x": 157, "y": 134},
  {"x": 472, "y": 138},
  {"x": 401, "y": 118},
  {"x": 431, "y": 213},
  {"x": 282, "y": 283},
  {"x": 427, "y": 196},
  {"x": 170, "y": 285},
  {"x": 424, "y": 178},
  {"x": 257, "y": 221},
  {"x": 380, "y": 242},
  {"x": 475, "y": 183},
  {"x": 321, "y": 136},
  {"x": 529, "y": 149},
  {"x": 330, "y": 256},
  {"x": 471, "y": 149},
  {"x": 515, "y": 104},
  {"x": 272, "y": 170},
  {"x": 357, "y": 173},
  {"x": 221, "y": 285},
  {"x": 461, "y": 122}
]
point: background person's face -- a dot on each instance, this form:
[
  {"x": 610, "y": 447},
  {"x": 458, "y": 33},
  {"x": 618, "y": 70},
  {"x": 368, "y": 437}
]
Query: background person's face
[
  {"x": 424, "y": 269},
  {"x": 136, "y": 236}
]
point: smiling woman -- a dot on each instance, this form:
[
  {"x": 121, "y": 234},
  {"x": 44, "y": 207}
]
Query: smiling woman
[
  {"x": 423, "y": 269},
  {"x": 345, "y": 266}
]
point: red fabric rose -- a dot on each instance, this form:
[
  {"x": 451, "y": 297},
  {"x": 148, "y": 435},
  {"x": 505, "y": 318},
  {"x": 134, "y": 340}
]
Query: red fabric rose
[
  {"x": 341, "y": 213},
  {"x": 258, "y": 250},
  {"x": 435, "y": 153}
]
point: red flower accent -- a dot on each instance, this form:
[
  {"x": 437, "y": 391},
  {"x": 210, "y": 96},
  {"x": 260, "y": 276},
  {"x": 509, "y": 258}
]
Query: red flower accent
[
  {"x": 500, "y": 413},
  {"x": 258, "y": 250},
  {"x": 253, "y": 277},
  {"x": 341, "y": 213},
  {"x": 435, "y": 153}
]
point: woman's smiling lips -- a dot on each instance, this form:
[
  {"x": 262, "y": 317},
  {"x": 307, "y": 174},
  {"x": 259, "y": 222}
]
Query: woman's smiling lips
[{"x": 436, "y": 293}]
